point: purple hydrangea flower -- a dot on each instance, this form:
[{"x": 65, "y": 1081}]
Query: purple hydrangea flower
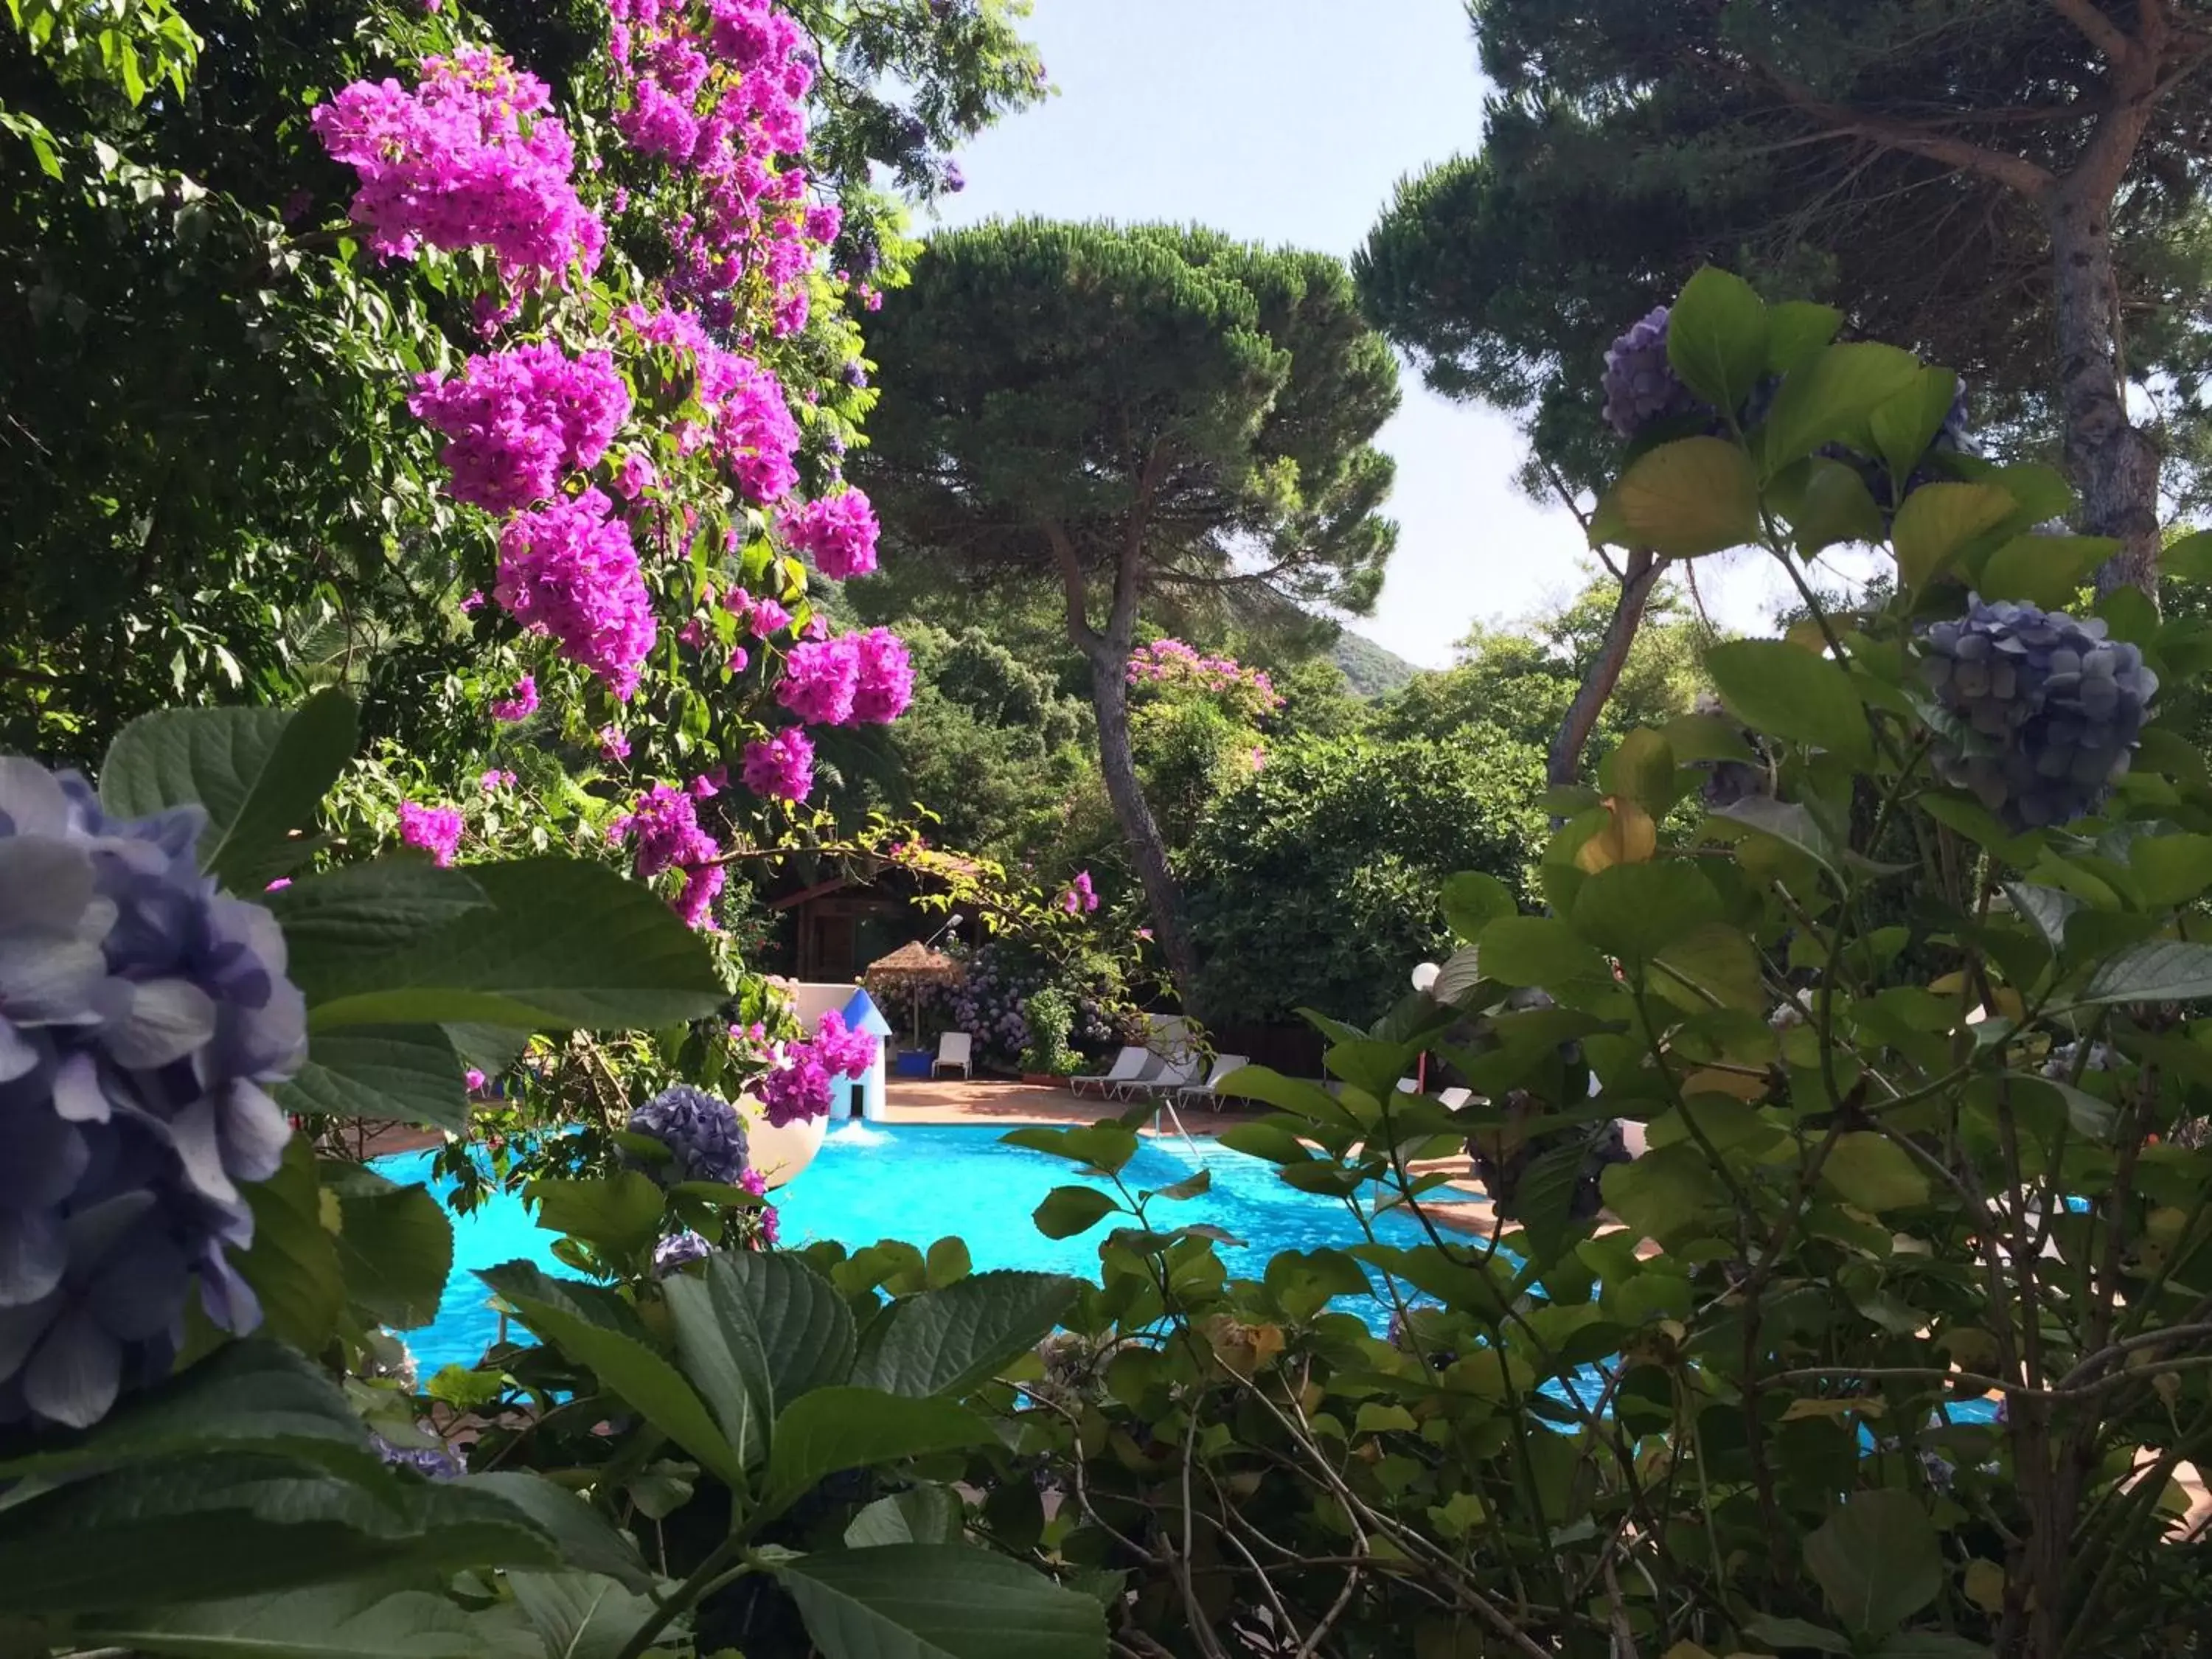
[
  {"x": 2046, "y": 712},
  {"x": 702, "y": 1130},
  {"x": 438, "y": 1462},
  {"x": 141, "y": 1013},
  {"x": 678, "y": 1250},
  {"x": 1640, "y": 385}
]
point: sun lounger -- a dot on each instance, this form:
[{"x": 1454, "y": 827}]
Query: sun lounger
[{"x": 1127, "y": 1066}]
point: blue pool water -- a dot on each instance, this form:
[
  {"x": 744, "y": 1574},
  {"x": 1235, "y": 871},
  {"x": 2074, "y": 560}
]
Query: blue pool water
[{"x": 918, "y": 1185}]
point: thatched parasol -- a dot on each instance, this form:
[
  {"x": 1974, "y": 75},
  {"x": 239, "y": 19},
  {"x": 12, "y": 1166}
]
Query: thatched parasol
[{"x": 909, "y": 969}]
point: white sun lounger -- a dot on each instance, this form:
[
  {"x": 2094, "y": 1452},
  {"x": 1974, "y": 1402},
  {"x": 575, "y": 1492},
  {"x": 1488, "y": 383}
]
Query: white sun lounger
[{"x": 1127, "y": 1067}]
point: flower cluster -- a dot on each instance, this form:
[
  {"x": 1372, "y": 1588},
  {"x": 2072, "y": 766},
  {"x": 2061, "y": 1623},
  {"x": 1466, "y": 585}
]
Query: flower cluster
[
  {"x": 799, "y": 1086},
  {"x": 748, "y": 422},
  {"x": 142, "y": 1012},
  {"x": 1080, "y": 898},
  {"x": 570, "y": 571},
  {"x": 1641, "y": 386},
  {"x": 2045, "y": 711},
  {"x": 679, "y": 1249},
  {"x": 435, "y": 829},
  {"x": 468, "y": 159},
  {"x": 705, "y": 1138},
  {"x": 667, "y": 826},
  {"x": 514, "y": 421},
  {"x": 1171, "y": 664},
  {"x": 866, "y": 677},
  {"x": 838, "y": 532},
  {"x": 521, "y": 704},
  {"x": 718, "y": 90},
  {"x": 781, "y": 769}
]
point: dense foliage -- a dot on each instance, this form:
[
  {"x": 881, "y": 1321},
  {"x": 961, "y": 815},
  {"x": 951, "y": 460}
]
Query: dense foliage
[{"x": 2017, "y": 189}]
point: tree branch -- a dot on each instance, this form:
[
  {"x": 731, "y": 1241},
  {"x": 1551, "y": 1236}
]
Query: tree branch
[
  {"x": 1079, "y": 629},
  {"x": 2014, "y": 171},
  {"x": 1604, "y": 674},
  {"x": 2100, "y": 30}
]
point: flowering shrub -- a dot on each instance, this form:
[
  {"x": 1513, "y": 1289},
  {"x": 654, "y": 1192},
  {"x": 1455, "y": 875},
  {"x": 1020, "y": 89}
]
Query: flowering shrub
[
  {"x": 1171, "y": 666},
  {"x": 142, "y": 1013},
  {"x": 517, "y": 421}
]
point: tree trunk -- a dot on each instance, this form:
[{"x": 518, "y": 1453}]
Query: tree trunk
[
  {"x": 1110, "y": 698},
  {"x": 1566, "y": 756},
  {"x": 2114, "y": 465}
]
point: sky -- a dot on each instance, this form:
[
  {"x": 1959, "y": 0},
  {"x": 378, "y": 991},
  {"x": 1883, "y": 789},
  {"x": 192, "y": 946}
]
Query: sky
[{"x": 1291, "y": 122}]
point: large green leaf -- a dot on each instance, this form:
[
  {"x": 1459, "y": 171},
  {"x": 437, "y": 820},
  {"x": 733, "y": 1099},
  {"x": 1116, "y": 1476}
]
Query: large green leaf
[
  {"x": 395, "y": 1250},
  {"x": 939, "y": 1601},
  {"x": 587, "y": 1541},
  {"x": 2043, "y": 570},
  {"x": 2158, "y": 970},
  {"x": 254, "y": 1394},
  {"x": 1065, "y": 1212},
  {"x": 293, "y": 1265},
  {"x": 1691, "y": 496},
  {"x": 580, "y": 1615},
  {"x": 1878, "y": 1559},
  {"x": 1904, "y": 426},
  {"x": 1795, "y": 1633},
  {"x": 212, "y": 1527},
  {"x": 1290, "y": 1094},
  {"x": 804, "y": 1327},
  {"x": 563, "y": 945},
  {"x": 1830, "y": 399},
  {"x": 260, "y": 773},
  {"x": 620, "y": 1212},
  {"x": 1473, "y": 900},
  {"x": 366, "y": 913},
  {"x": 1937, "y": 523},
  {"x": 832, "y": 1430},
  {"x": 1717, "y": 337},
  {"x": 1634, "y": 911},
  {"x": 1105, "y": 1146},
  {"x": 1713, "y": 964},
  {"x": 919, "y": 1514},
  {"x": 391, "y": 1073},
  {"x": 330, "y": 1621},
  {"x": 1873, "y": 1172},
  {"x": 1774, "y": 687},
  {"x": 641, "y": 1378},
  {"x": 947, "y": 1341},
  {"x": 1831, "y": 504},
  {"x": 722, "y": 1358},
  {"x": 1538, "y": 950}
]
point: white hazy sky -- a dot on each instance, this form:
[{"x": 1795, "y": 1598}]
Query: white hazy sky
[{"x": 1290, "y": 121}]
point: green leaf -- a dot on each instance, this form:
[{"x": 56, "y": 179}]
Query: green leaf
[
  {"x": 2158, "y": 970},
  {"x": 1878, "y": 1559},
  {"x": 330, "y": 1621},
  {"x": 1830, "y": 397},
  {"x": 293, "y": 1265},
  {"x": 1694, "y": 495},
  {"x": 1717, "y": 337},
  {"x": 588, "y": 1540},
  {"x": 1067, "y": 1211},
  {"x": 1634, "y": 911},
  {"x": 723, "y": 1360},
  {"x": 619, "y": 1211},
  {"x": 2043, "y": 570},
  {"x": 580, "y": 1615},
  {"x": 233, "y": 1524},
  {"x": 1796, "y": 330},
  {"x": 1874, "y": 1172},
  {"x": 1905, "y": 425},
  {"x": 366, "y": 913},
  {"x": 804, "y": 1329},
  {"x": 938, "y": 1601},
  {"x": 1473, "y": 900},
  {"x": 1271, "y": 1141},
  {"x": 641, "y": 1378},
  {"x": 260, "y": 773},
  {"x": 1102, "y": 1147},
  {"x": 2189, "y": 559},
  {"x": 1293, "y": 1094},
  {"x": 565, "y": 945},
  {"x": 1639, "y": 767},
  {"x": 1538, "y": 950},
  {"x": 832, "y": 1430},
  {"x": 1660, "y": 1191},
  {"x": 1794, "y": 1633},
  {"x": 1776, "y": 688},
  {"x": 948, "y": 1341},
  {"x": 1937, "y": 523},
  {"x": 387, "y": 1074},
  {"x": 1833, "y": 506},
  {"x": 395, "y": 1250},
  {"x": 2172, "y": 869},
  {"x": 1928, "y": 1644},
  {"x": 919, "y": 1514},
  {"x": 2046, "y": 909},
  {"x": 1715, "y": 963},
  {"x": 250, "y": 1395}
]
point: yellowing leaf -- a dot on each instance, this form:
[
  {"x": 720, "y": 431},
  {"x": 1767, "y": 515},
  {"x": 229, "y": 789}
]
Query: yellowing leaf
[
  {"x": 1630, "y": 838},
  {"x": 1696, "y": 496},
  {"x": 1985, "y": 1585},
  {"x": 1937, "y": 520},
  {"x": 1799, "y": 1409}
]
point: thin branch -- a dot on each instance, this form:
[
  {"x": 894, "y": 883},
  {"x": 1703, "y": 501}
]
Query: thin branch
[
  {"x": 2100, "y": 30},
  {"x": 2014, "y": 171}
]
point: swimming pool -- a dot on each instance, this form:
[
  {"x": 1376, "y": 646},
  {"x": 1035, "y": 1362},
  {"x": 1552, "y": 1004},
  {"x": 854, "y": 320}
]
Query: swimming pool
[{"x": 920, "y": 1184}]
